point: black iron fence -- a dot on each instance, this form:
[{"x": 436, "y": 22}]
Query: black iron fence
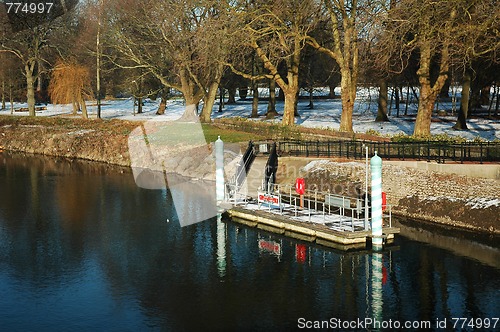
[{"x": 429, "y": 151}]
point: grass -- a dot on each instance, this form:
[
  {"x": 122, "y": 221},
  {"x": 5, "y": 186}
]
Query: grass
[
  {"x": 228, "y": 135},
  {"x": 123, "y": 127}
]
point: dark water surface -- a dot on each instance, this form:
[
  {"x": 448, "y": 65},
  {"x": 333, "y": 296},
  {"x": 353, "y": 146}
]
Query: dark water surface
[{"x": 83, "y": 248}]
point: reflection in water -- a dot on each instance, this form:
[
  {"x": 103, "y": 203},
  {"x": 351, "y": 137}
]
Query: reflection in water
[
  {"x": 377, "y": 296},
  {"x": 221, "y": 246},
  {"x": 81, "y": 247}
]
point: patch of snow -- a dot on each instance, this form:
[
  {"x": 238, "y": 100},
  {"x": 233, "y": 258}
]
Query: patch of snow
[
  {"x": 322, "y": 165},
  {"x": 81, "y": 132},
  {"x": 316, "y": 165},
  {"x": 483, "y": 203},
  {"x": 474, "y": 203},
  {"x": 326, "y": 114}
]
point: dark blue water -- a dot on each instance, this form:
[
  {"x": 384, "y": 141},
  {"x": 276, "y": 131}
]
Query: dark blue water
[{"x": 83, "y": 249}]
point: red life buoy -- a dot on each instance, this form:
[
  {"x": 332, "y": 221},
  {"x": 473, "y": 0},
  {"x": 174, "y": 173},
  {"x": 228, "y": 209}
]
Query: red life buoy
[{"x": 300, "y": 186}]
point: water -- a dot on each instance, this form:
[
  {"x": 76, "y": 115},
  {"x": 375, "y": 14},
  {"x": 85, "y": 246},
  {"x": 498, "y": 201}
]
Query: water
[{"x": 83, "y": 248}]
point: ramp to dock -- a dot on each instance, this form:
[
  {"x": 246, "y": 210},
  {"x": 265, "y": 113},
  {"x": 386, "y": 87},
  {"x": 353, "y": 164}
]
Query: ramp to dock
[{"x": 255, "y": 175}]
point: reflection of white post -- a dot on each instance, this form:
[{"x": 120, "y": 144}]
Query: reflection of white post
[
  {"x": 221, "y": 246},
  {"x": 376, "y": 168},
  {"x": 219, "y": 171},
  {"x": 377, "y": 275}
]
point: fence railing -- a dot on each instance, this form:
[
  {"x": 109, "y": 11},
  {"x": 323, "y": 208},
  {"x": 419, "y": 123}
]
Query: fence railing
[
  {"x": 349, "y": 211},
  {"x": 429, "y": 151}
]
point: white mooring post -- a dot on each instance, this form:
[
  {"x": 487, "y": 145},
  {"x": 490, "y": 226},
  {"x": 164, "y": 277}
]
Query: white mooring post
[
  {"x": 366, "y": 187},
  {"x": 219, "y": 171},
  {"x": 376, "y": 169}
]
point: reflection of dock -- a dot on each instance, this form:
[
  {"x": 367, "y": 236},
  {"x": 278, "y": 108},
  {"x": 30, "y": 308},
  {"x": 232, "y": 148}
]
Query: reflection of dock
[{"x": 336, "y": 234}]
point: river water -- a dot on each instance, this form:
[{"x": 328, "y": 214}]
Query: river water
[{"x": 83, "y": 248}]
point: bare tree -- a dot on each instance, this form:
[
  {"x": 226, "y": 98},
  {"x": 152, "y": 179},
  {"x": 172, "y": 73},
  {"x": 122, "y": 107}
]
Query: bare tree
[
  {"x": 480, "y": 45},
  {"x": 10, "y": 79},
  {"x": 174, "y": 42},
  {"x": 346, "y": 19},
  {"x": 28, "y": 46},
  {"x": 433, "y": 31},
  {"x": 26, "y": 36},
  {"x": 277, "y": 33}
]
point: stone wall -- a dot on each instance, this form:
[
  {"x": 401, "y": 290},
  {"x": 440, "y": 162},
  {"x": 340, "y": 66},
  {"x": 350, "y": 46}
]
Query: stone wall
[{"x": 450, "y": 199}]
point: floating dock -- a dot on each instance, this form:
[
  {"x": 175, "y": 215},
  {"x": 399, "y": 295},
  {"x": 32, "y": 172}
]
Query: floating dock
[
  {"x": 325, "y": 218},
  {"x": 328, "y": 234}
]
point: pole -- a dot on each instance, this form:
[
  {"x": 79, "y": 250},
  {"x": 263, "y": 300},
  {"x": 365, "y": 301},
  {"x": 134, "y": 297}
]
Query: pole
[
  {"x": 98, "y": 59},
  {"x": 219, "y": 171},
  {"x": 376, "y": 170},
  {"x": 366, "y": 187}
]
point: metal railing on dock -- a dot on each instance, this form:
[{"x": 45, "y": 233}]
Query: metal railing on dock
[{"x": 339, "y": 212}]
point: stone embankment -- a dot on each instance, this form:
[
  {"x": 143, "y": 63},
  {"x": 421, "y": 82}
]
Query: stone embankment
[
  {"x": 103, "y": 141},
  {"x": 471, "y": 203},
  {"x": 450, "y": 199}
]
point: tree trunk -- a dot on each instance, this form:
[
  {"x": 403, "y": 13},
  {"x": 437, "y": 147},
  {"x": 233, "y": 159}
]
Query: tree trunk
[
  {"x": 428, "y": 92},
  {"x": 11, "y": 99},
  {"x": 271, "y": 106},
  {"x": 348, "y": 95},
  {"x": 397, "y": 99},
  {"x": 208, "y": 105},
  {"x": 221, "y": 99},
  {"x": 243, "y": 92},
  {"x": 311, "y": 99},
  {"x": 382, "y": 102},
  {"x": 497, "y": 106},
  {"x": 424, "y": 113},
  {"x": 3, "y": 94},
  {"x": 75, "y": 108},
  {"x": 139, "y": 105},
  {"x": 331, "y": 94},
  {"x": 289, "y": 109},
  {"x": 407, "y": 99},
  {"x": 464, "y": 103},
  {"x": 485, "y": 95},
  {"x": 291, "y": 94},
  {"x": 192, "y": 98},
  {"x": 30, "y": 89},
  {"x": 163, "y": 105},
  {"x": 84, "y": 108},
  {"x": 255, "y": 100},
  {"x": 445, "y": 90},
  {"x": 98, "y": 60},
  {"x": 232, "y": 95}
]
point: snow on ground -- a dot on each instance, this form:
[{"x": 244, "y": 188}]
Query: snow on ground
[
  {"x": 325, "y": 164},
  {"x": 474, "y": 203},
  {"x": 326, "y": 114}
]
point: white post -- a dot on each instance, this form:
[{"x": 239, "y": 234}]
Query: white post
[
  {"x": 366, "y": 187},
  {"x": 376, "y": 169},
  {"x": 219, "y": 171}
]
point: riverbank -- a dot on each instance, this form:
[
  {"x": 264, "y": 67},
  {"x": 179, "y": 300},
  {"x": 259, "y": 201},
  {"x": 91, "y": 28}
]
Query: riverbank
[
  {"x": 453, "y": 200},
  {"x": 95, "y": 140}
]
